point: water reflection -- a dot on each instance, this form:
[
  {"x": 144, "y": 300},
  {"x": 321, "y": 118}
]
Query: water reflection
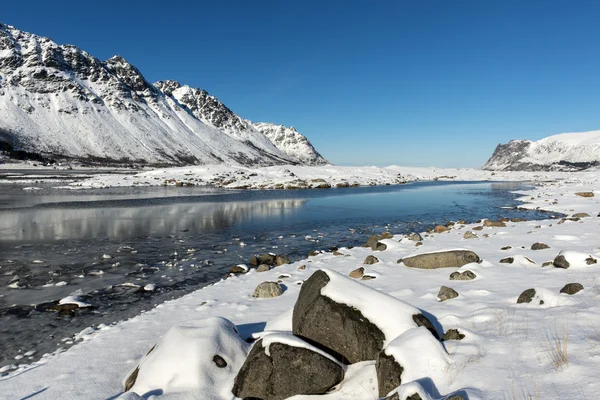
[{"x": 47, "y": 224}]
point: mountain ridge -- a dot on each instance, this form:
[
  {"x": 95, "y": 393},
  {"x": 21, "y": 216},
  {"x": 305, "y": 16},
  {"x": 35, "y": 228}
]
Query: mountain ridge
[{"x": 59, "y": 100}]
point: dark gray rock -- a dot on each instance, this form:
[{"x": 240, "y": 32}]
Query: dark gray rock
[
  {"x": 580, "y": 215},
  {"x": 281, "y": 260},
  {"x": 453, "y": 334},
  {"x": 561, "y": 262},
  {"x": 462, "y": 276},
  {"x": 389, "y": 373},
  {"x": 442, "y": 259},
  {"x": 446, "y": 293},
  {"x": 263, "y": 268},
  {"x": 539, "y": 246},
  {"x": 337, "y": 328},
  {"x": 526, "y": 296},
  {"x": 415, "y": 237},
  {"x": 286, "y": 372},
  {"x": 506, "y": 248},
  {"x": 236, "y": 269},
  {"x": 507, "y": 260},
  {"x": 572, "y": 288}
]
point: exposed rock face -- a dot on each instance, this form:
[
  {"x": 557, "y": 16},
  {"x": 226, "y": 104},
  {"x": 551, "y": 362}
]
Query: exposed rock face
[
  {"x": 564, "y": 152},
  {"x": 292, "y": 143},
  {"x": 389, "y": 373},
  {"x": 442, "y": 259},
  {"x": 58, "y": 100},
  {"x": 341, "y": 329},
  {"x": 282, "y": 371}
]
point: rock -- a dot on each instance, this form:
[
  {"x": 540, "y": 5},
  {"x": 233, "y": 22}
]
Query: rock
[
  {"x": 507, "y": 260},
  {"x": 422, "y": 354},
  {"x": 371, "y": 260},
  {"x": 302, "y": 268},
  {"x": 313, "y": 253},
  {"x": 580, "y": 215},
  {"x": 462, "y": 276},
  {"x": 337, "y": 253},
  {"x": 572, "y": 288},
  {"x": 517, "y": 220},
  {"x": 415, "y": 237},
  {"x": 343, "y": 329},
  {"x": 263, "y": 268},
  {"x": 470, "y": 235},
  {"x": 506, "y": 248},
  {"x": 210, "y": 348},
  {"x": 367, "y": 277},
  {"x": 238, "y": 269},
  {"x": 585, "y": 194},
  {"x": 386, "y": 235},
  {"x": 439, "y": 229},
  {"x": 357, "y": 273},
  {"x": 453, "y": 334},
  {"x": 281, "y": 260},
  {"x": 441, "y": 259},
  {"x": 561, "y": 262},
  {"x": 477, "y": 228},
  {"x": 276, "y": 370},
  {"x": 267, "y": 258},
  {"x": 266, "y": 290},
  {"x": 539, "y": 246},
  {"x": 446, "y": 293},
  {"x": 254, "y": 261},
  {"x": 418, "y": 244},
  {"x": 374, "y": 243},
  {"x": 548, "y": 264},
  {"x": 494, "y": 224},
  {"x": 526, "y": 296}
]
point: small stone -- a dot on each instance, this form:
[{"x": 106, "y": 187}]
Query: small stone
[
  {"x": 386, "y": 235},
  {"x": 506, "y": 248},
  {"x": 267, "y": 290},
  {"x": 494, "y": 224},
  {"x": 446, "y": 293},
  {"x": 263, "y": 268},
  {"x": 477, "y": 228},
  {"x": 357, "y": 273},
  {"x": 539, "y": 246},
  {"x": 548, "y": 264},
  {"x": 580, "y": 215},
  {"x": 585, "y": 194},
  {"x": 302, "y": 268},
  {"x": 367, "y": 277},
  {"x": 281, "y": 260},
  {"x": 572, "y": 288},
  {"x": 238, "y": 269},
  {"x": 507, "y": 260},
  {"x": 526, "y": 296},
  {"x": 371, "y": 260},
  {"x": 453, "y": 334},
  {"x": 419, "y": 244},
  {"x": 415, "y": 237},
  {"x": 462, "y": 276},
  {"x": 221, "y": 363},
  {"x": 439, "y": 229},
  {"x": 561, "y": 262},
  {"x": 470, "y": 235}
]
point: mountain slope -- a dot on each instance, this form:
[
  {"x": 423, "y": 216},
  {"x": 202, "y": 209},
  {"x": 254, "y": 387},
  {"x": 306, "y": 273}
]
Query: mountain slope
[
  {"x": 563, "y": 152},
  {"x": 59, "y": 100},
  {"x": 291, "y": 142}
]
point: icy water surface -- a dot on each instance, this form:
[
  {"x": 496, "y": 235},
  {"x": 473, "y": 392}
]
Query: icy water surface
[{"x": 106, "y": 244}]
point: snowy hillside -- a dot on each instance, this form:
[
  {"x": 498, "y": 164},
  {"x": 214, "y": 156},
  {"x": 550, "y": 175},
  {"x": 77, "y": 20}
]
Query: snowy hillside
[
  {"x": 291, "y": 142},
  {"x": 564, "y": 152},
  {"x": 59, "y": 100}
]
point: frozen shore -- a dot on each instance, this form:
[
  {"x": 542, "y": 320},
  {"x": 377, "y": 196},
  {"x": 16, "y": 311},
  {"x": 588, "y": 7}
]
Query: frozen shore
[{"x": 509, "y": 351}]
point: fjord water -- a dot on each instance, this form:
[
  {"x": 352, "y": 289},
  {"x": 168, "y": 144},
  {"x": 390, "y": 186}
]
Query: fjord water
[{"x": 105, "y": 244}]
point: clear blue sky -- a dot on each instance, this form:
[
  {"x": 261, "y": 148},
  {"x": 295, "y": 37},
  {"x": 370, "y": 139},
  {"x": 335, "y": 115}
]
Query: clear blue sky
[{"x": 368, "y": 82}]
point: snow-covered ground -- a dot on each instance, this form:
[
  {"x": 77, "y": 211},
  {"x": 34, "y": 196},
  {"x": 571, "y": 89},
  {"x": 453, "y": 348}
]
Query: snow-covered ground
[{"x": 510, "y": 350}]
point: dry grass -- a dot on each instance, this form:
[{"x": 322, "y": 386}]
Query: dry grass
[{"x": 557, "y": 345}]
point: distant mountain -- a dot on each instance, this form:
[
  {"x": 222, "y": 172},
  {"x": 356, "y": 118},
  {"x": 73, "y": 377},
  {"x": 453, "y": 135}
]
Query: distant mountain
[
  {"x": 291, "y": 142},
  {"x": 564, "y": 152},
  {"x": 59, "y": 101}
]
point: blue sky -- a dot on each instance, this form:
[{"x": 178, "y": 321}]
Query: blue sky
[{"x": 423, "y": 83}]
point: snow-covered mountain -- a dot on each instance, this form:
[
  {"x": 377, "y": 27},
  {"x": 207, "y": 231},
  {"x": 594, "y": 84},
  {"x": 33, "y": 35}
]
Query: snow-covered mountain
[
  {"x": 59, "y": 100},
  {"x": 563, "y": 152},
  {"x": 291, "y": 142}
]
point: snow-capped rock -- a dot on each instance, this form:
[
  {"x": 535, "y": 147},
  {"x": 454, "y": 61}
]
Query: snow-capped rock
[
  {"x": 292, "y": 143},
  {"x": 563, "y": 152},
  {"x": 58, "y": 100}
]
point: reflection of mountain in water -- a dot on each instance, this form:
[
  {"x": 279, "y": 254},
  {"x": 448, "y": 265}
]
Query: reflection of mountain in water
[{"x": 126, "y": 222}]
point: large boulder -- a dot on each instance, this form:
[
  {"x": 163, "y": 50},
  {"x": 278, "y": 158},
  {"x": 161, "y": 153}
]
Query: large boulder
[
  {"x": 441, "y": 259},
  {"x": 411, "y": 356},
  {"x": 200, "y": 356},
  {"x": 282, "y": 365},
  {"x": 350, "y": 320}
]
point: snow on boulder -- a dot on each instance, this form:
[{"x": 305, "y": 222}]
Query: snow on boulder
[
  {"x": 199, "y": 357},
  {"x": 281, "y": 365},
  {"x": 567, "y": 259},
  {"x": 349, "y": 319},
  {"x": 441, "y": 259},
  {"x": 412, "y": 356},
  {"x": 543, "y": 297}
]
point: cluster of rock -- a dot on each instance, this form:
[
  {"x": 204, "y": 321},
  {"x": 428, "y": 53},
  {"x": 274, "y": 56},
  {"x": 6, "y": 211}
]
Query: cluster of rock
[{"x": 332, "y": 327}]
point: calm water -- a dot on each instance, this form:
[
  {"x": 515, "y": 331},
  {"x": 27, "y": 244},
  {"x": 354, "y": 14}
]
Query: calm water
[{"x": 90, "y": 242}]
